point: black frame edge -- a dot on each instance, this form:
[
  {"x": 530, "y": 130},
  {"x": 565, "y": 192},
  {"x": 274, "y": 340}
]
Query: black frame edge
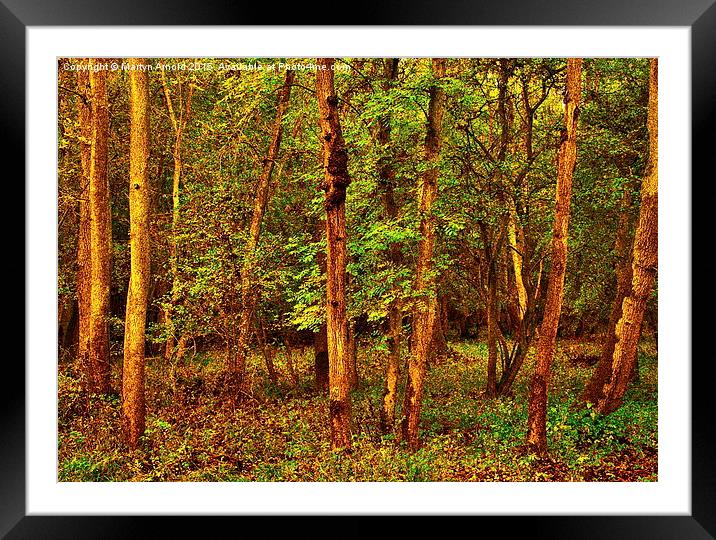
[
  {"x": 12, "y": 411},
  {"x": 703, "y": 117},
  {"x": 701, "y": 524}
]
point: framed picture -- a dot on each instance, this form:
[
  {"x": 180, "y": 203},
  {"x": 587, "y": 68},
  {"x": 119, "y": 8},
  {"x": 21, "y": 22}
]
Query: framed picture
[{"x": 678, "y": 502}]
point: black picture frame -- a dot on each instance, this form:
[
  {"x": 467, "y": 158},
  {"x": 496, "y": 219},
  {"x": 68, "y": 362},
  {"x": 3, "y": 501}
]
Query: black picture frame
[{"x": 699, "y": 15}]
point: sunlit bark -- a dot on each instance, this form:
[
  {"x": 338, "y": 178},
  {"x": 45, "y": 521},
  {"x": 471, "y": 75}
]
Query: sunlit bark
[
  {"x": 100, "y": 232},
  {"x": 249, "y": 292},
  {"x": 644, "y": 266},
  {"x": 566, "y": 161},
  {"x": 425, "y": 316},
  {"x": 178, "y": 124},
  {"x": 336, "y": 181},
  {"x": 133, "y": 399},
  {"x": 84, "y": 261}
]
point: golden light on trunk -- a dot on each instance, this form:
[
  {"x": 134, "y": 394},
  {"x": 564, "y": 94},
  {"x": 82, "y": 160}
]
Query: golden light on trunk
[
  {"x": 594, "y": 389},
  {"x": 178, "y": 125},
  {"x": 425, "y": 316},
  {"x": 566, "y": 161},
  {"x": 100, "y": 232},
  {"x": 84, "y": 261},
  {"x": 249, "y": 291},
  {"x": 336, "y": 181},
  {"x": 133, "y": 401},
  {"x": 516, "y": 252},
  {"x": 644, "y": 265}
]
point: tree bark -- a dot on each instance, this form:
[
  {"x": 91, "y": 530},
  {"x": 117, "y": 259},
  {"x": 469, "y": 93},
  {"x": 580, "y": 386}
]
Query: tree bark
[
  {"x": 493, "y": 248},
  {"x": 263, "y": 188},
  {"x": 492, "y": 330},
  {"x": 566, "y": 161},
  {"x": 644, "y": 267},
  {"x": 320, "y": 338},
  {"x": 133, "y": 401},
  {"x": 440, "y": 331},
  {"x": 593, "y": 391},
  {"x": 516, "y": 252},
  {"x": 178, "y": 124},
  {"x": 390, "y": 392},
  {"x": 100, "y": 233},
  {"x": 320, "y": 358},
  {"x": 336, "y": 181},
  {"x": 386, "y": 175},
  {"x": 353, "y": 354},
  {"x": 268, "y": 351},
  {"x": 424, "y": 316},
  {"x": 84, "y": 262}
]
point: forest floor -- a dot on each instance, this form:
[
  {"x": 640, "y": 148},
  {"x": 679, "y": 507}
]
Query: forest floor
[{"x": 281, "y": 434}]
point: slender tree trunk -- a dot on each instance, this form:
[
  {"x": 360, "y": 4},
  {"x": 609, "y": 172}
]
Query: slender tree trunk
[
  {"x": 84, "y": 262},
  {"x": 133, "y": 404},
  {"x": 493, "y": 248},
  {"x": 593, "y": 391},
  {"x": 66, "y": 321},
  {"x": 566, "y": 161},
  {"x": 100, "y": 233},
  {"x": 386, "y": 174},
  {"x": 439, "y": 348},
  {"x": 644, "y": 266},
  {"x": 291, "y": 366},
  {"x": 248, "y": 285},
  {"x": 268, "y": 351},
  {"x": 492, "y": 329},
  {"x": 424, "y": 317},
  {"x": 353, "y": 353},
  {"x": 516, "y": 252},
  {"x": 516, "y": 233},
  {"x": 335, "y": 166},
  {"x": 178, "y": 124},
  {"x": 320, "y": 358},
  {"x": 390, "y": 392},
  {"x": 521, "y": 250},
  {"x": 320, "y": 338}
]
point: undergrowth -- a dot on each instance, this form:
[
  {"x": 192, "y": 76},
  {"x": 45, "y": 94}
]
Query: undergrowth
[{"x": 280, "y": 432}]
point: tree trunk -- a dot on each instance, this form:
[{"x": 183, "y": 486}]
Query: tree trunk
[
  {"x": 353, "y": 352},
  {"x": 320, "y": 338},
  {"x": 67, "y": 320},
  {"x": 424, "y": 316},
  {"x": 100, "y": 233},
  {"x": 291, "y": 366},
  {"x": 439, "y": 349},
  {"x": 263, "y": 188},
  {"x": 493, "y": 248},
  {"x": 133, "y": 404},
  {"x": 593, "y": 391},
  {"x": 84, "y": 261},
  {"x": 386, "y": 175},
  {"x": 644, "y": 266},
  {"x": 178, "y": 124},
  {"x": 516, "y": 235},
  {"x": 390, "y": 392},
  {"x": 516, "y": 252},
  {"x": 492, "y": 329},
  {"x": 336, "y": 181},
  {"x": 320, "y": 358},
  {"x": 566, "y": 161},
  {"x": 268, "y": 351}
]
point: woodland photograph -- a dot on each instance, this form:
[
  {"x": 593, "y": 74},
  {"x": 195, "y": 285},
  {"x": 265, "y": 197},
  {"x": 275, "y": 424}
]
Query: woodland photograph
[{"x": 357, "y": 269}]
